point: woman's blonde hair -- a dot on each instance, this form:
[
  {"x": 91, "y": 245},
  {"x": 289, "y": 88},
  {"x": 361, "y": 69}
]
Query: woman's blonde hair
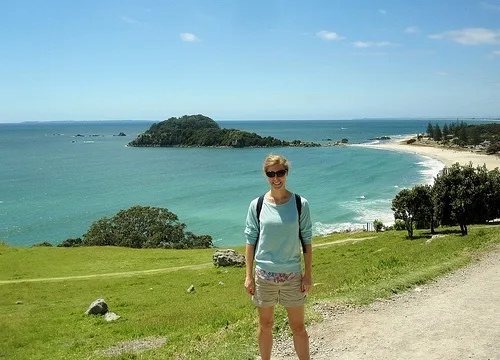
[{"x": 273, "y": 159}]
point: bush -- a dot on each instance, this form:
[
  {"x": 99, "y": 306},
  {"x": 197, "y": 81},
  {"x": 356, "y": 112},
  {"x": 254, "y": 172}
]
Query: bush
[
  {"x": 71, "y": 243},
  {"x": 410, "y": 141},
  {"x": 378, "y": 225},
  {"x": 493, "y": 148},
  {"x": 45, "y": 243},
  {"x": 144, "y": 227},
  {"x": 399, "y": 225}
]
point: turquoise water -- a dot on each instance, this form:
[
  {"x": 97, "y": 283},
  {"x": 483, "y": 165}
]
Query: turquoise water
[{"x": 53, "y": 185}]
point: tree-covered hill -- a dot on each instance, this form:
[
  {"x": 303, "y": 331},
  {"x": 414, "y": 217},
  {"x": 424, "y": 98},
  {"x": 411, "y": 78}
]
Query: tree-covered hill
[
  {"x": 202, "y": 131},
  {"x": 461, "y": 134}
]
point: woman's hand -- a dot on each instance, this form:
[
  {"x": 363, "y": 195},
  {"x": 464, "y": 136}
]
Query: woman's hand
[
  {"x": 250, "y": 285},
  {"x": 306, "y": 285}
]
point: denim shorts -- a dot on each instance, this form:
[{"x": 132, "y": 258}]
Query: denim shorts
[{"x": 287, "y": 293}]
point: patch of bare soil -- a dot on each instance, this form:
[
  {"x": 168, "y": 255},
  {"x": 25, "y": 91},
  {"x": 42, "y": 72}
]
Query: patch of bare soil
[
  {"x": 456, "y": 317},
  {"x": 135, "y": 346}
]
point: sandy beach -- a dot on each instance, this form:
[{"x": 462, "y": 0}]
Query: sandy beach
[{"x": 447, "y": 156}]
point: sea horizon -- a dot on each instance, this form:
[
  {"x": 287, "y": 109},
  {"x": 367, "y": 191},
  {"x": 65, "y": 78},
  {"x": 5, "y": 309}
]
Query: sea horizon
[{"x": 396, "y": 118}]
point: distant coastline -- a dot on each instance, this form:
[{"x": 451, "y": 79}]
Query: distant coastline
[{"x": 448, "y": 156}]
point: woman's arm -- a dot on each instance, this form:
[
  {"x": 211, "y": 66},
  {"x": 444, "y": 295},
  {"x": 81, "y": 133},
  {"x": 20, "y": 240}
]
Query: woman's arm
[
  {"x": 307, "y": 277},
  {"x": 306, "y": 232},
  {"x": 249, "y": 279}
]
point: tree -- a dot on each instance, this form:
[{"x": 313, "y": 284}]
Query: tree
[
  {"x": 430, "y": 130},
  {"x": 446, "y": 132},
  {"x": 493, "y": 197},
  {"x": 489, "y": 197},
  {"x": 459, "y": 196},
  {"x": 414, "y": 206},
  {"x": 438, "y": 135},
  {"x": 462, "y": 135},
  {"x": 404, "y": 209},
  {"x": 143, "y": 227},
  {"x": 473, "y": 135},
  {"x": 424, "y": 206}
]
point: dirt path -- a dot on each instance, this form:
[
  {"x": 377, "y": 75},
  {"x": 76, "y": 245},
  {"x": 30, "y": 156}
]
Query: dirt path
[
  {"x": 118, "y": 274},
  {"x": 457, "y": 317},
  {"x": 154, "y": 271}
]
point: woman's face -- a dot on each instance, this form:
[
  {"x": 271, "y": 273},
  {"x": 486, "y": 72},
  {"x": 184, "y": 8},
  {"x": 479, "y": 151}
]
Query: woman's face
[{"x": 276, "y": 175}]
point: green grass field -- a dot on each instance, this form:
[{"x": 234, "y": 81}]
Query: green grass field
[{"x": 148, "y": 289}]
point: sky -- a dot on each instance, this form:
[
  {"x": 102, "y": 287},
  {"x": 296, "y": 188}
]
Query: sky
[{"x": 248, "y": 60}]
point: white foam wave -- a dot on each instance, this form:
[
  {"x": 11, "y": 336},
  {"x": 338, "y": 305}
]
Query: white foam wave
[
  {"x": 216, "y": 241},
  {"x": 325, "y": 229},
  {"x": 368, "y": 211},
  {"x": 430, "y": 169},
  {"x": 399, "y": 137},
  {"x": 362, "y": 213}
]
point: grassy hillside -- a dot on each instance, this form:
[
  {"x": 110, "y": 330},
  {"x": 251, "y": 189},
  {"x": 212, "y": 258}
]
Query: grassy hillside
[{"x": 147, "y": 288}]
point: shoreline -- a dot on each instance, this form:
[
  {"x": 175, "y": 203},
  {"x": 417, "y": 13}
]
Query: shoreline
[{"x": 447, "y": 156}]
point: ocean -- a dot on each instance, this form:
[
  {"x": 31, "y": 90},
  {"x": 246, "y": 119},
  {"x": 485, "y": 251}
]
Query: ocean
[{"x": 57, "y": 178}]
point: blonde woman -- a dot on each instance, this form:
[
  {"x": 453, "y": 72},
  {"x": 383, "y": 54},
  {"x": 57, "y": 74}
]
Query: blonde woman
[{"x": 278, "y": 230}]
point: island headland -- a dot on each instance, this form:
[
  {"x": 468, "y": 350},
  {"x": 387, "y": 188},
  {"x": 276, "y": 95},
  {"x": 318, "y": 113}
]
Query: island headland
[{"x": 202, "y": 131}]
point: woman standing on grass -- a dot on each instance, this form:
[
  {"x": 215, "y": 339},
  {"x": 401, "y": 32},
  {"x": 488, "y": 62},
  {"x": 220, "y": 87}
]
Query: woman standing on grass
[{"x": 277, "y": 228}]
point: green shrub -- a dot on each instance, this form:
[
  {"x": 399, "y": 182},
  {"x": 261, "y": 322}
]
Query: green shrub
[
  {"x": 493, "y": 148},
  {"x": 71, "y": 243},
  {"x": 399, "y": 225},
  {"x": 45, "y": 243},
  {"x": 378, "y": 225},
  {"x": 144, "y": 227}
]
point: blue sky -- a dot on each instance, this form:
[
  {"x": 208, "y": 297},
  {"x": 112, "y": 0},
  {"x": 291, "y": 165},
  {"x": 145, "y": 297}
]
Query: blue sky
[{"x": 254, "y": 59}]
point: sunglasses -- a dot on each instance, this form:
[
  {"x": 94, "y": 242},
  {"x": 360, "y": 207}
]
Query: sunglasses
[{"x": 279, "y": 173}]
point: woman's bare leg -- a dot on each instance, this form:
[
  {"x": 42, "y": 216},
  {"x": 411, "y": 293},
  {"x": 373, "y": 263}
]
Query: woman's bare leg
[
  {"x": 300, "y": 336},
  {"x": 265, "y": 332}
]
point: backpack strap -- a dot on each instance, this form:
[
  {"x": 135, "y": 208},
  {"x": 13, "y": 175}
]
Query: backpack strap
[
  {"x": 298, "y": 203},
  {"x": 259, "y": 209}
]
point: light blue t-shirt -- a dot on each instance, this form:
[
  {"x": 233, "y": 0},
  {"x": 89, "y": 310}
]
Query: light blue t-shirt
[{"x": 279, "y": 248}]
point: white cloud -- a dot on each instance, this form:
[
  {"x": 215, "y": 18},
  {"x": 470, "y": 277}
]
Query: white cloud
[
  {"x": 129, "y": 20},
  {"x": 382, "y": 11},
  {"x": 470, "y": 36},
  {"x": 365, "y": 44},
  {"x": 441, "y": 73},
  {"x": 328, "y": 35},
  {"x": 412, "y": 30},
  {"x": 188, "y": 37},
  {"x": 496, "y": 52}
]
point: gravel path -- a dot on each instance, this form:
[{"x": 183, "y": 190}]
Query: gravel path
[{"x": 457, "y": 317}]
